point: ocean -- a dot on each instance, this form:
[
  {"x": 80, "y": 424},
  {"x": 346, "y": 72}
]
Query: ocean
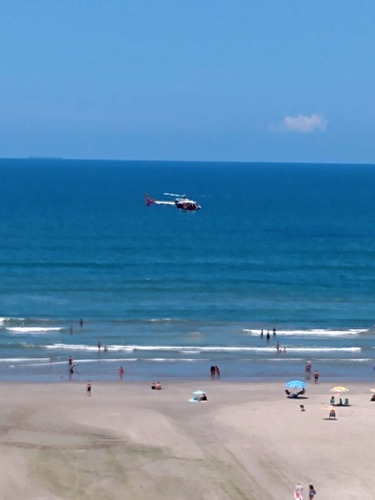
[{"x": 284, "y": 246}]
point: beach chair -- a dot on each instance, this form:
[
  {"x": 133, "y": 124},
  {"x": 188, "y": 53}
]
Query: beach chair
[
  {"x": 287, "y": 392},
  {"x": 346, "y": 402}
]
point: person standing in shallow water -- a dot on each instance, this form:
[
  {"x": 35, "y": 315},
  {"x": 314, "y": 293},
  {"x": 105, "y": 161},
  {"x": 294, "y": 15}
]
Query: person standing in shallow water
[
  {"x": 308, "y": 370},
  {"x": 88, "y": 389},
  {"x": 316, "y": 376}
]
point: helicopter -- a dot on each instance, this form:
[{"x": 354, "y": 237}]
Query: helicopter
[{"x": 181, "y": 201}]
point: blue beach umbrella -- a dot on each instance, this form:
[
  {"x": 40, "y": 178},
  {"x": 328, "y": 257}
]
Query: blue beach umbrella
[{"x": 295, "y": 384}]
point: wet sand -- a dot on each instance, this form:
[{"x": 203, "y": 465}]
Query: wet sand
[{"x": 126, "y": 441}]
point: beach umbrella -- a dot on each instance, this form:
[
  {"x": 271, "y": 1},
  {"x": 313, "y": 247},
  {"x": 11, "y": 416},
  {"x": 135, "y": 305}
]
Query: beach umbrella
[
  {"x": 339, "y": 389},
  {"x": 198, "y": 393},
  {"x": 372, "y": 390},
  {"x": 295, "y": 384}
]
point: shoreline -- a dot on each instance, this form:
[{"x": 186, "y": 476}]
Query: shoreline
[
  {"x": 128, "y": 441},
  {"x": 171, "y": 381}
]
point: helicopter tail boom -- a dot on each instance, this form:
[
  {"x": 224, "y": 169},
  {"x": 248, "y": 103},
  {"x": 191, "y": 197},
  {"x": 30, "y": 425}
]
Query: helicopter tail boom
[{"x": 148, "y": 200}]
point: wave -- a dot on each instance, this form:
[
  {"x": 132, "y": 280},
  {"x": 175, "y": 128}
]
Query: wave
[
  {"x": 164, "y": 320},
  {"x": 5, "y": 319},
  {"x": 78, "y": 362},
  {"x": 199, "y": 349},
  {"x": 33, "y": 329},
  {"x": 281, "y": 359},
  {"x": 320, "y": 332}
]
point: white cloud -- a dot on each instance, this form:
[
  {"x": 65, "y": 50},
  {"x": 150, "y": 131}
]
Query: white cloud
[{"x": 301, "y": 123}]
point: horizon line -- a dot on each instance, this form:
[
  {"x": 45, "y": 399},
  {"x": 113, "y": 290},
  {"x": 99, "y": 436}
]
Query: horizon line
[{"x": 61, "y": 158}]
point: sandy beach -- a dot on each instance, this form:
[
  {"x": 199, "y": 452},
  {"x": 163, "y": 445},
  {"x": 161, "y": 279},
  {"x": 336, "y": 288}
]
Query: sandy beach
[{"x": 126, "y": 441}]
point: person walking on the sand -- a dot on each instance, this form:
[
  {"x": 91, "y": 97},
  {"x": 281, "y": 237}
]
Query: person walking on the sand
[
  {"x": 316, "y": 376},
  {"x": 298, "y": 492},
  {"x": 312, "y": 492}
]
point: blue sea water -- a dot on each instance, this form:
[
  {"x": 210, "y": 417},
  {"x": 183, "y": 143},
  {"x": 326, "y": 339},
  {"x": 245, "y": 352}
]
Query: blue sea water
[{"x": 289, "y": 246}]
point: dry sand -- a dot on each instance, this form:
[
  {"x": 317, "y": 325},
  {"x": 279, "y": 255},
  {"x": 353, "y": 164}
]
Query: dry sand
[{"x": 248, "y": 441}]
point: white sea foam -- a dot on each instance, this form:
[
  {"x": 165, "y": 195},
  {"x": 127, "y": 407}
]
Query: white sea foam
[
  {"x": 324, "y": 349},
  {"x": 163, "y": 320},
  {"x": 32, "y": 329},
  {"x": 72, "y": 347},
  {"x": 174, "y": 360},
  {"x": 95, "y": 360},
  {"x": 22, "y": 360}
]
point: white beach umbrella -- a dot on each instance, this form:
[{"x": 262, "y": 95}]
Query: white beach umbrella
[{"x": 339, "y": 389}]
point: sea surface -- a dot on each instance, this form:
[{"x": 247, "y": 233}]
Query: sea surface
[{"x": 284, "y": 246}]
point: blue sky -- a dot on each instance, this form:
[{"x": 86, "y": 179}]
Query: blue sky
[{"x": 239, "y": 80}]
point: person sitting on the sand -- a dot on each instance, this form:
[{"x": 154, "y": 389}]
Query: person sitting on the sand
[
  {"x": 332, "y": 400},
  {"x": 156, "y": 386},
  {"x": 332, "y": 414},
  {"x": 373, "y": 397},
  {"x": 202, "y": 397}
]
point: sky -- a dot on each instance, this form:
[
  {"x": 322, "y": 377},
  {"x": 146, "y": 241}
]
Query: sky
[{"x": 207, "y": 80}]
